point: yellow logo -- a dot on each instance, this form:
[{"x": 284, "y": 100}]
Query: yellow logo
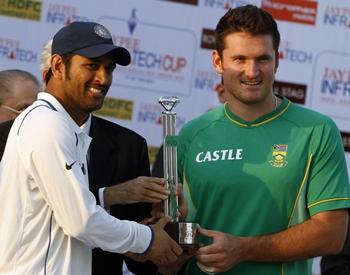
[
  {"x": 117, "y": 108},
  {"x": 279, "y": 155},
  {"x": 152, "y": 153},
  {"x": 25, "y": 9}
]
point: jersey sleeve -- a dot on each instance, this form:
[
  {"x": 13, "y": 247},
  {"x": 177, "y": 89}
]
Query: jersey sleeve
[{"x": 328, "y": 187}]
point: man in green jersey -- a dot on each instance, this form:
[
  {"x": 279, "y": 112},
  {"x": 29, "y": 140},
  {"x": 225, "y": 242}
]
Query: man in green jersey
[{"x": 265, "y": 179}]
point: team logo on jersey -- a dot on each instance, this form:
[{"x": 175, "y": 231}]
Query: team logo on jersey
[{"x": 279, "y": 155}]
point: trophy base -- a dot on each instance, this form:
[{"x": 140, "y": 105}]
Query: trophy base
[{"x": 184, "y": 233}]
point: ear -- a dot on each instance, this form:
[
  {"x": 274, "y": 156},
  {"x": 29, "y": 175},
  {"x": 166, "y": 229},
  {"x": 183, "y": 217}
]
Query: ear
[
  {"x": 217, "y": 62},
  {"x": 57, "y": 66}
]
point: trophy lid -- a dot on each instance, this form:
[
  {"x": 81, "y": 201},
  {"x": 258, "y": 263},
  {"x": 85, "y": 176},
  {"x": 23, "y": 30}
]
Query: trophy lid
[{"x": 168, "y": 102}]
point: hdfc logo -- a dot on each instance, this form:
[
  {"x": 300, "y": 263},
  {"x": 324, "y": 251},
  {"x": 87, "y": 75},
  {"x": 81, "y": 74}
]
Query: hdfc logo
[
  {"x": 298, "y": 11},
  {"x": 152, "y": 153},
  {"x": 11, "y": 49},
  {"x": 25, "y": 9},
  {"x": 117, "y": 108},
  {"x": 63, "y": 14},
  {"x": 295, "y": 92}
]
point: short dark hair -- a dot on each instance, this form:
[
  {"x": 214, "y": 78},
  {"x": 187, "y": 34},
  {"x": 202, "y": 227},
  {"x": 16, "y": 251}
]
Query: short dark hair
[
  {"x": 8, "y": 77},
  {"x": 250, "y": 19}
]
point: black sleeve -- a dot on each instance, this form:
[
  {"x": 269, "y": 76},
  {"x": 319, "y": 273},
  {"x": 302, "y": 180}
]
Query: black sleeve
[
  {"x": 157, "y": 170},
  {"x": 4, "y": 132},
  {"x": 338, "y": 264}
]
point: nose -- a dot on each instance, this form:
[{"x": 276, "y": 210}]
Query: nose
[
  {"x": 103, "y": 76},
  {"x": 251, "y": 69}
]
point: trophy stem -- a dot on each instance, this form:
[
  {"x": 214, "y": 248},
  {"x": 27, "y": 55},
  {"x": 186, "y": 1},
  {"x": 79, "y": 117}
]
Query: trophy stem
[{"x": 170, "y": 165}]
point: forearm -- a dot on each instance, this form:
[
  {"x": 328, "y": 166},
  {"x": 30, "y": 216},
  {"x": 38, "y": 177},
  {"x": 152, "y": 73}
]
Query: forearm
[
  {"x": 116, "y": 194},
  {"x": 321, "y": 235}
]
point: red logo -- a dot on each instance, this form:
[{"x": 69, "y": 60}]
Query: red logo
[{"x": 299, "y": 11}]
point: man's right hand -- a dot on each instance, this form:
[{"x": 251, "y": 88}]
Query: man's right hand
[
  {"x": 140, "y": 189},
  {"x": 164, "y": 249}
]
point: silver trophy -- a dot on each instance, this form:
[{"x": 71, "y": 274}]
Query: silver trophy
[{"x": 184, "y": 233}]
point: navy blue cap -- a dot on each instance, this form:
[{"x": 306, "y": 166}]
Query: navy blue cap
[{"x": 90, "y": 40}]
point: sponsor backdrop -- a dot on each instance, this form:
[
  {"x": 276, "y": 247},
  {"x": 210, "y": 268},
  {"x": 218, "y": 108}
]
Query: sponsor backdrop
[{"x": 171, "y": 42}]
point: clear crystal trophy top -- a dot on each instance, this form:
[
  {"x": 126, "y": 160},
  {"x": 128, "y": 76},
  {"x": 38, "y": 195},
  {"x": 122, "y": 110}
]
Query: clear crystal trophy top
[{"x": 183, "y": 233}]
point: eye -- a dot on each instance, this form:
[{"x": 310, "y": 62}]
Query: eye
[
  {"x": 239, "y": 59},
  {"x": 264, "y": 59},
  {"x": 92, "y": 66}
]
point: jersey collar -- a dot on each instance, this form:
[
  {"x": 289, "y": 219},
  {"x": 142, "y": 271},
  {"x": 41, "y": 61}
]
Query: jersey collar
[
  {"x": 55, "y": 103},
  {"x": 261, "y": 120}
]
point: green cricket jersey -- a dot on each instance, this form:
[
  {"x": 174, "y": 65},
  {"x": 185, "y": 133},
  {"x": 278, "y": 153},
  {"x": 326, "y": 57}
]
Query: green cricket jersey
[{"x": 261, "y": 177}]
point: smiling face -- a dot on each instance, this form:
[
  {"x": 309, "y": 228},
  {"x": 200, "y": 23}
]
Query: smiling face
[
  {"x": 83, "y": 83},
  {"x": 248, "y": 64}
]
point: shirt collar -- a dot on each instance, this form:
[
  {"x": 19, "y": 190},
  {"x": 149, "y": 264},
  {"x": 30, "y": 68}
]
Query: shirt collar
[{"x": 85, "y": 128}]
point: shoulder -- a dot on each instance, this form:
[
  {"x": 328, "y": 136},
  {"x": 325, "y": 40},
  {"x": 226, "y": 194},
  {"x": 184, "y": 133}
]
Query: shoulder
[
  {"x": 42, "y": 123},
  {"x": 309, "y": 120},
  {"x": 190, "y": 129}
]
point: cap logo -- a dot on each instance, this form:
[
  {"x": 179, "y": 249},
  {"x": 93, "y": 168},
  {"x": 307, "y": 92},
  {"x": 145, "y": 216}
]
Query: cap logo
[{"x": 102, "y": 32}]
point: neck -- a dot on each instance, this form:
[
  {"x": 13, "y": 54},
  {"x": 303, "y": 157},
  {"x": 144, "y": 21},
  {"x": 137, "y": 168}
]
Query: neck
[{"x": 252, "y": 111}]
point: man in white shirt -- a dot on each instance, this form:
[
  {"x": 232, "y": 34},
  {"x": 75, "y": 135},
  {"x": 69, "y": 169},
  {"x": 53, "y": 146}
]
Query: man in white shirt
[{"x": 49, "y": 218}]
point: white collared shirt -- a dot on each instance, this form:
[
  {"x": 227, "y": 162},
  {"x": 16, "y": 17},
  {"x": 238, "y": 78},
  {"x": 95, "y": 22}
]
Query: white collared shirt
[{"x": 49, "y": 219}]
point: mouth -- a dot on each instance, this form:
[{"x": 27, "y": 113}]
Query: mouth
[
  {"x": 251, "y": 83},
  {"x": 96, "y": 90}
]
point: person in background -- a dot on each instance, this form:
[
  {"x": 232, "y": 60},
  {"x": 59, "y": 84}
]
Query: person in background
[
  {"x": 264, "y": 178},
  {"x": 44, "y": 177},
  {"x": 220, "y": 91},
  {"x": 338, "y": 264},
  {"x": 18, "y": 89}
]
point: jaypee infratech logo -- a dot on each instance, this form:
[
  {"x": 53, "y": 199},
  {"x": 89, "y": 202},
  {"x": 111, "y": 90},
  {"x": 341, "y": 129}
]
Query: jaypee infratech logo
[
  {"x": 336, "y": 16},
  {"x": 12, "y": 49},
  {"x": 288, "y": 53},
  {"x": 25, "y": 9},
  {"x": 63, "y": 14},
  {"x": 331, "y": 85},
  {"x": 152, "y": 114}
]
